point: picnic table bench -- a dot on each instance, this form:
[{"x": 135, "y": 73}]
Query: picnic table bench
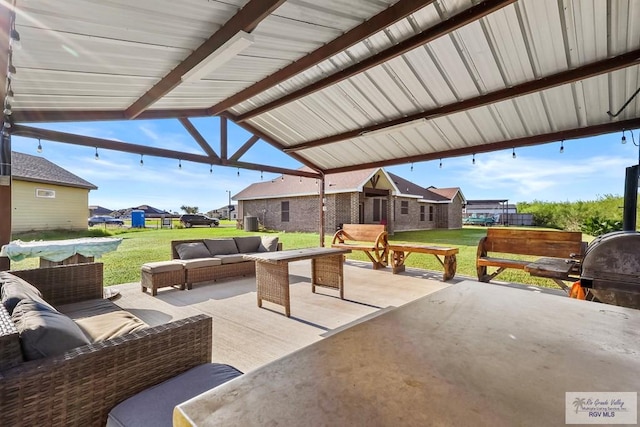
[
  {"x": 368, "y": 238},
  {"x": 566, "y": 245},
  {"x": 401, "y": 251}
]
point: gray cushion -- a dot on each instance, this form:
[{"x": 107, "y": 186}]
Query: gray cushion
[
  {"x": 44, "y": 331},
  {"x": 192, "y": 250},
  {"x": 221, "y": 246},
  {"x": 247, "y": 244},
  {"x": 232, "y": 258},
  {"x": 268, "y": 244},
  {"x": 15, "y": 289},
  {"x": 154, "y": 406}
]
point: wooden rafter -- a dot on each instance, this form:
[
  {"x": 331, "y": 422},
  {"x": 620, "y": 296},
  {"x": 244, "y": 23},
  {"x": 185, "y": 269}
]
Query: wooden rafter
[
  {"x": 198, "y": 137},
  {"x": 500, "y": 145},
  {"x": 565, "y": 77},
  {"x": 108, "y": 144},
  {"x": 382, "y": 20},
  {"x": 246, "y": 19},
  {"x": 250, "y": 142},
  {"x": 445, "y": 27}
]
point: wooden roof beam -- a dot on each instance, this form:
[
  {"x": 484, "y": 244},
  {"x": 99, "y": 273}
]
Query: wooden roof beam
[
  {"x": 445, "y": 27},
  {"x": 108, "y": 144},
  {"x": 559, "y": 79},
  {"x": 382, "y": 20},
  {"x": 198, "y": 137},
  {"x": 245, "y": 147},
  {"x": 563, "y": 135},
  {"x": 246, "y": 19},
  {"x": 53, "y": 116}
]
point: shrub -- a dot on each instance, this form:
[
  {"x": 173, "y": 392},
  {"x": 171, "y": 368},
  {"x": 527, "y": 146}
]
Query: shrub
[{"x": 596, "y": 226}]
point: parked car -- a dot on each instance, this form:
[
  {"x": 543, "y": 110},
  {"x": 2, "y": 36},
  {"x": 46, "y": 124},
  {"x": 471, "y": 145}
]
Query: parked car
[
  {"x": 104, "y": 219},
  {"x": 189, "y": 220},
  {"x": 479, "y": 220}
]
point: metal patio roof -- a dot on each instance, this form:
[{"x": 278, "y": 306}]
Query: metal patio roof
[{"x": 338, "y": 84}]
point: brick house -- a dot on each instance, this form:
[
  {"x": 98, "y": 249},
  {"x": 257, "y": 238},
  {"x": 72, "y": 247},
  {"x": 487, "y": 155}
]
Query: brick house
[{"x": 369, "y": 196}]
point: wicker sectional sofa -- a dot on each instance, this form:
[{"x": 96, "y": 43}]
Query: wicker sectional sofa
[
  {"x": 212, "y": 259},
  {"x": 47, "y": 377}
]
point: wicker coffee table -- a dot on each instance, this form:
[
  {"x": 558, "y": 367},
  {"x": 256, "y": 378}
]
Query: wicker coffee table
[{"x": 272, "y": 272}]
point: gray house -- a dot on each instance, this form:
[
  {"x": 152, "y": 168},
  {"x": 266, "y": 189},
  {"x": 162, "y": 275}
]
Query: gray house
[{"x": 369, "y": 196}]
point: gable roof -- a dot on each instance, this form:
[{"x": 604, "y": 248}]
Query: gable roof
[
  {"x": 343, "y": 182},
  {"x": 449, "y": 193},
  {"x": 25, "y": 167}
]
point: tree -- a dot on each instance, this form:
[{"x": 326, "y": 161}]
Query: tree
[{"x": 189, "y": 209}]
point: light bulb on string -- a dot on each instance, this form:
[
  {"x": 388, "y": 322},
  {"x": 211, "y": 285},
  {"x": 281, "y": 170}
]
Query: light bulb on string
[
  {"x": 210, "y": 168},
  {"x": 97, "y": 156},
  {"x": 561, "y": 147},
  {"x": 179, "y": 163},
  {"x": 10, "y": 96},
  {"x": 15, "y": 40},
  {"x": 141, "y": 160},
  {"x": 411, "y": 167},
  {"x": 39, "y": 149},
  {"x": 513, "y": 153},
  {"x": 624, "y": 138},
  {"x": 238, "y": 173},
  {"x": 440, "y": 163},
  {"x": 473, "y": 159},
  {"x": 260, "y": 175}
]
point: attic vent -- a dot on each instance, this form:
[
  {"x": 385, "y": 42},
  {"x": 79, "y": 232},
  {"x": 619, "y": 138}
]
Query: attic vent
[{"x": 47, "y": 194}]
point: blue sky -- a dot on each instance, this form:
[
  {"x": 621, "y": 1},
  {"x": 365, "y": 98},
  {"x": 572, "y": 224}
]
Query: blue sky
[{"x": 588, "y": 168}]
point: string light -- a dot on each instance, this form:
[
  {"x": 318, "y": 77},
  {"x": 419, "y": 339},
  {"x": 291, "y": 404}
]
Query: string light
[
  {"x": 15, "y": 39},
  {"x": 238, "y": 173},
  {"x": 97, "y": 156},
  {"x": 624, "y": 138},
  {"x": 513, "y": 153},
  {"x": 210, "y": 168},
  {"x": 473, "y": 159},
  {"x": 260, "y": 175},
  {"x": 300, "y": 181},
  {"x": 179, "y": 163},
  {"x": 39, "y": 149},
  {"x": 141, "y": 160},
  {"x": 561, "y": 146},
  {"x": 440, "y": 163},
  {"x": 10, "y": 96},
  {"x": 411, "y": 167},
  {"x": 282, "y": 177}
]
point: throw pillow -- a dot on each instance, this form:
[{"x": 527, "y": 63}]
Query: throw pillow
[
  {"x": 221, "y": 246},
  {"x": 192, "y": 250},
  {"x": 268, "y": 244},
  {"x": 15, "y": 289},
  {"x": 44, "y": 331},
  {"x": 248, "y": 244}
]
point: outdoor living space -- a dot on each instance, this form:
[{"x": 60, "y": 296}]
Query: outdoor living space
[{"x": 248, "y": 337}]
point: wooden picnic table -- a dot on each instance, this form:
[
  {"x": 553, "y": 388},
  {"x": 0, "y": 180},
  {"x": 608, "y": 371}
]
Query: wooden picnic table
[{"x": 401, "y": 251}]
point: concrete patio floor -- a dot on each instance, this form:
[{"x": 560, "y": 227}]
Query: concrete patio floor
[{"x": 248, "y": 337}]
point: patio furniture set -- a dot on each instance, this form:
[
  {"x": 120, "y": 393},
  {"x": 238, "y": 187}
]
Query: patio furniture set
[
  {"x": 372, "y": 239},
  {"x": 68, "y": 356},
  {"x": 200, "y": 260}
]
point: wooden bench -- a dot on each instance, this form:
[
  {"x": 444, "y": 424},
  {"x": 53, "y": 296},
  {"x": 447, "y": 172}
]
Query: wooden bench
[
  {"x": 553, "y": 244},
  {"x": 368, "y": 238},
  {"x": 400, "y": 252}
]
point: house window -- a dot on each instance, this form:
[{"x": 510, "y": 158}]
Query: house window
[
  {"x": 430, "y": 213},
  {"x": 47, "y": 194},
  {"x": 404, "y": 207},
  {"x": 284, "y": 211},
  {"x": 422, "y": 213}
]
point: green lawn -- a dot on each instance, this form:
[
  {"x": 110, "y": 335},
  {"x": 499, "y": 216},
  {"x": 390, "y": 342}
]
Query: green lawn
[{"x": 153, "y": 244}]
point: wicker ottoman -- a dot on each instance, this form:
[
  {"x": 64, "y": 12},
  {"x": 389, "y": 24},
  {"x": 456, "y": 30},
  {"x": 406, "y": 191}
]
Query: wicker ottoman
[
  {"x": 162, "y": 274},
  {"x": 199, "y": 270}
]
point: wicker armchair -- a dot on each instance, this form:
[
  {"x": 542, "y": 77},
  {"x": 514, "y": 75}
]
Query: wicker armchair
[{"x": 81, "y": 386}]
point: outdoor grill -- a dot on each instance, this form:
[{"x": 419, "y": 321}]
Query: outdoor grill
[{"x": 611, "y": 268}]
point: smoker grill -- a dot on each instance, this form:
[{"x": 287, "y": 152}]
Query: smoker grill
[{"x": 611, "y": 268}]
